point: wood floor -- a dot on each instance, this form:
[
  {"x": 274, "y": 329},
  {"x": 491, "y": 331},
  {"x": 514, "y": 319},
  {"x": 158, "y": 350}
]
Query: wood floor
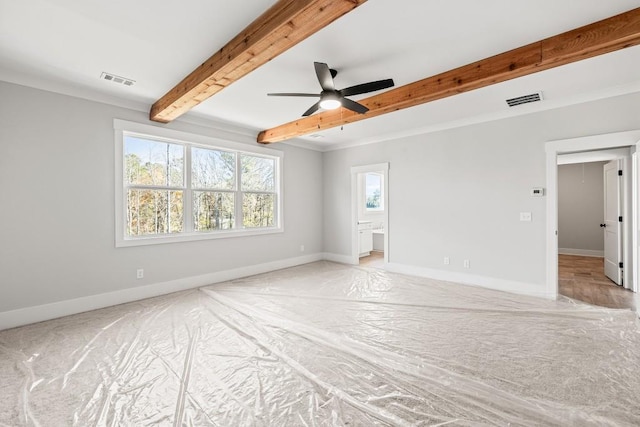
[
  {"x": 582, "y": 278},
  {"x": 375, "y": 260}
]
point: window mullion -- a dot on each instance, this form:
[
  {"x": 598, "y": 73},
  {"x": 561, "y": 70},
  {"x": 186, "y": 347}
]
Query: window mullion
[
  {"x": 187, "y": 196},
  {"x": 260, "y": 192},
  {"x": 238, "y": 193}
]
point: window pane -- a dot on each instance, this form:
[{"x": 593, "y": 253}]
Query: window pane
[
  {"x": 258, "y": 173},
  {"x": 212, "y": 169},
  {"x": 374, "y": 191},
  {"x": 154, "y": 212},
  {"x": 257, "y": 210},
  {"x": 149, "y": 162},
  {"x": 213, "y": 211}
]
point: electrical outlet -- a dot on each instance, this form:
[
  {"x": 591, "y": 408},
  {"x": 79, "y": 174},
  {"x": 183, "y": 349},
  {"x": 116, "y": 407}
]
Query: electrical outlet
[
  {"x": 301, "y": 248},
  {"x": 467, "y": 264},
  {"x": 140, "y": 273},
  {"x": 446, "y": 260},
  {"x": 525, "y": 216}
]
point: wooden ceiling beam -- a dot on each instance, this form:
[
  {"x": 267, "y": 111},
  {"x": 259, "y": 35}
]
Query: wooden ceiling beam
[
  {"x": 284, "y": 25},
  {"x": 618, "y": 32}
]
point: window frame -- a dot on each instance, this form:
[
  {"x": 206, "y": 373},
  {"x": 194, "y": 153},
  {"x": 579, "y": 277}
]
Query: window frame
[{"x": 188, "y": 140}]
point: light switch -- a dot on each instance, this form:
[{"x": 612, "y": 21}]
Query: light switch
[
  {"x": 537, "y": 192},
  {"x": 525, "y": 216}
]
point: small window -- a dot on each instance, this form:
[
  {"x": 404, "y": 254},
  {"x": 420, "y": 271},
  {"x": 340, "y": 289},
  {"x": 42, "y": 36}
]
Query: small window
[
  {"x": 213, "y": 169},
  {"x": 258, "y": 191},
  {"x": 172, "y": 190},
  {"x": 374, "y": 192},
  {"x": 154, "y": 174}
]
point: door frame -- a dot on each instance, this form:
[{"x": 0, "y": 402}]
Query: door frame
[
  {"x": 382, "y": 168},
  {"x": 635, "y": 187},
  {"x": 576, "y": 145}
]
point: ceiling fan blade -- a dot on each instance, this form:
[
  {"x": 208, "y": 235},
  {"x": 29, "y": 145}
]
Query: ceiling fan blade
[
  {"x": 307, "y": 95},
  {"x": 324, "y": 76},
  {"x": 353, "y": 106},
  {"x": 367, "y": 87},
  {"x": 315, "y": 107}
]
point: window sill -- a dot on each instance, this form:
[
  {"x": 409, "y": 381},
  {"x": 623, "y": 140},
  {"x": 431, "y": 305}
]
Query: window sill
[{"x": 190, "y": 237}]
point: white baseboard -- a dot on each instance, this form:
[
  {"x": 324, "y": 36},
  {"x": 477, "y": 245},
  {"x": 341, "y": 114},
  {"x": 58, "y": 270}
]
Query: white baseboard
[
  {"x": 581, "y": 252},
  {"x": 341, "y": 259},
  {"x": 512, "y": 286},
  {"x": 28, "y": 315}
]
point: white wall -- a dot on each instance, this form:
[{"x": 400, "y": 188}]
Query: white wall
[
  {"x": 581, "y": 208},
  {"x": 458, "y": 193},
  {"x": 57, "y": 215}
]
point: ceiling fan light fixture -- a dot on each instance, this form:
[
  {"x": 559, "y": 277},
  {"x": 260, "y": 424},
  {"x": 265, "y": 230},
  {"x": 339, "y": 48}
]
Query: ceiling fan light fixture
[
  {"x": 330, "y": 104},
  {"x": 332, "y": 98}
]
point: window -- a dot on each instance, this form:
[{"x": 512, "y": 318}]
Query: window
[
  {"x": 153, "y": 173},
  {"x": 374, "y": 194},
  {"x": 258, "y": 191},
  {"x": 172, "y": 190}
]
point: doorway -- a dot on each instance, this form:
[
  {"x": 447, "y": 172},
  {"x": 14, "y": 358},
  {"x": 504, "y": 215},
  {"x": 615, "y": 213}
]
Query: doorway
[
  {"x": 582, "y": 150},
  {"x": 370, "y": 215},
  {"x": 589, "y": 248}
]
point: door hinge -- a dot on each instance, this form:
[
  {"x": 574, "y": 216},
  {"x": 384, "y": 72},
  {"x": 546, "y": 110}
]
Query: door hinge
[
  {"x": 620, "y": 265},
  {"x": 619, "y": 172},
  {"x": 619, "y": 219}
]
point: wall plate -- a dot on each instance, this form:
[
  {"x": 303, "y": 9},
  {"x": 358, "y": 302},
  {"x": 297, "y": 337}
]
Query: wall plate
[{"x": 537, "y": 192}]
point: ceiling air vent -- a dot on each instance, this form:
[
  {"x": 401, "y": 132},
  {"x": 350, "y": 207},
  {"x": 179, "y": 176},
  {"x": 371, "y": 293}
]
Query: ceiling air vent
[
  {"x": 117, "y": 79},
  {"x": 534, "y": 97}
]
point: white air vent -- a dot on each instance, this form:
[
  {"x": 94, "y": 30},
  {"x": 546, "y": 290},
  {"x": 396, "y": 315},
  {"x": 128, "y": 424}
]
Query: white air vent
[
  {"x": 534, "y": 97},
  {"x": 117, "y": 79}
]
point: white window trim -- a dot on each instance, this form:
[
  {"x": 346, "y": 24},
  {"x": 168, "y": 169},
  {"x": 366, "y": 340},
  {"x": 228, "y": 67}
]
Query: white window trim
[{"x": 169, "y": 135}]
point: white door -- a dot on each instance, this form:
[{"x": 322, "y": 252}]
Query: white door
[{"x": 612, "y": 224}]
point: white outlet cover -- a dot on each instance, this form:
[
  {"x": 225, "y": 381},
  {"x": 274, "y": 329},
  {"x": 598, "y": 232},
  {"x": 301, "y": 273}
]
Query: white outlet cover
[{"x": 525, "y": 216}]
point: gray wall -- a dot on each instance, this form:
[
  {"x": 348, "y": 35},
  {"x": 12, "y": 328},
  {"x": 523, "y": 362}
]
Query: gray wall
[
  {"x": 458, "y": 193},
  {"x": 57, "y": 215},
  {"x": 581, "y": 206},
  {"x": 455, "y": 193}
]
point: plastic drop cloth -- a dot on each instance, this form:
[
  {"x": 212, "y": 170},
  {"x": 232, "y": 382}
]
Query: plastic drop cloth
[{"x": 326, "y": 345}]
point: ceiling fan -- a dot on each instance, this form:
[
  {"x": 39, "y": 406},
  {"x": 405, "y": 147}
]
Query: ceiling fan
[{"x": 331, "y": 98}]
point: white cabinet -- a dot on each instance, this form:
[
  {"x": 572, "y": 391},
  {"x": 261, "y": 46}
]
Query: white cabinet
[
  {"x": 365, "y": 234},
  {"x": 378, "y": 240}
]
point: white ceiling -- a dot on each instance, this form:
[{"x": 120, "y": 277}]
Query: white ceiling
[{"x": 64, "y": 46}]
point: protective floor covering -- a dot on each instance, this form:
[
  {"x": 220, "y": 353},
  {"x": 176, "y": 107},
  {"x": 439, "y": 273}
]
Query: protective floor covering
[{"x": 326, "y": 345}]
